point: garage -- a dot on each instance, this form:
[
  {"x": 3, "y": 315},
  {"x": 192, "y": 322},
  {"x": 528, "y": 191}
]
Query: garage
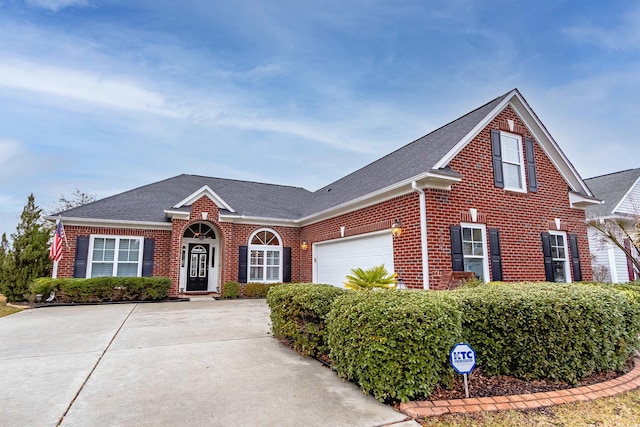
[{"x": 333, "y": 260}]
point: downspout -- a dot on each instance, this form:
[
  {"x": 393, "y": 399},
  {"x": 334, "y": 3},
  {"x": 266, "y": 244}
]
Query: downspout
[{"x": 423, "y": 234}]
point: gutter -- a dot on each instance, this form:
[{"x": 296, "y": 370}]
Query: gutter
[{"x": 423, "y": 234}]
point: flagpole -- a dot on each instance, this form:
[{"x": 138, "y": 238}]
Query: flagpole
[
  {"x": 54, "y": 274},
  {"x": 63, "y": 233}
]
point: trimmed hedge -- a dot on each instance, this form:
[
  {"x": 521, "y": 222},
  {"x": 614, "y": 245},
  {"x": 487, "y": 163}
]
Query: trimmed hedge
[
  {"x": 103, "y": 289},
  {"x": 560, "y": 332},
  {"x": 257, "y": 290},
  {"x": 231, "y": 290},
  {"x": 395, "y": 344},
  {"x": 298, "y": 315}
]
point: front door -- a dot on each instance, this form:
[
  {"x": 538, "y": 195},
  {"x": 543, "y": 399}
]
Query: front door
[{"x": 198, "y": 268}]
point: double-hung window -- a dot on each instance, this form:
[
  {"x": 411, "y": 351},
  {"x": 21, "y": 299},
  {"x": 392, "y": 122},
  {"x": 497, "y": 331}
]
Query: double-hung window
[
  {"x": 115, "y": 256},
  {"x": 265, "y": 257},
  {"x": 559, "y": 256},
  {"x": 474, "y": 250},
  {"x": 512, "y": 161},
  {"x": 509, "y": 162}
]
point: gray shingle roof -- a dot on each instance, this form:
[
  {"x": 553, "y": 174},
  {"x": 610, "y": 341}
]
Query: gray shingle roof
[
  {"x": 255, "y": 199},
  {"x": 148, "y": 203},
  {"x": 610, "y": 188}
]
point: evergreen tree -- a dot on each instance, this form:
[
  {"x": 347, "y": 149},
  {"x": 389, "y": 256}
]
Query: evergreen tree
[
  {"x": 29, "y": 257},
  {"x": 4, "y": 253}
]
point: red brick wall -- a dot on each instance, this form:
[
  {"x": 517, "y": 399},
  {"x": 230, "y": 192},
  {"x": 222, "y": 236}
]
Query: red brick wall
[
  {"x": 168, "y": 244},
  {"x": 161, "y": 258},
  {"x": 520, "y": 217},
  {"x": 407, "y": 258}
]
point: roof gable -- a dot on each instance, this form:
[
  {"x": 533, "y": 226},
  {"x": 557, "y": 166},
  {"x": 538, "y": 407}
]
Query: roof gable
[
  {"x": 204, "y": 191},
  {"x": 620, "y": 192},
  {"x": 519, "y": 105}
]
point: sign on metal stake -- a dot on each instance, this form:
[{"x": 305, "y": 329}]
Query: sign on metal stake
[{"x": 463, "y": 359}]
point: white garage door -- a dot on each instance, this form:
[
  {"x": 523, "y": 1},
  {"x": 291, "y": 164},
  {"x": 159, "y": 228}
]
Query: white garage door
[{"x": 335, "y": 259}]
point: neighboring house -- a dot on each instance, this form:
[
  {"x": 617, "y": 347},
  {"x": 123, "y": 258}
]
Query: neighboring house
[
  {"x": 491, "y": 193},
  {"x": 620, "y": 192}
]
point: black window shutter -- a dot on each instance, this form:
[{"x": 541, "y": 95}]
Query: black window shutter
[
  {"x": 548, "y": 260},
  {"x": 457, "y": 259},
  {"x": 82, "y": 254},
  {"x": 498, "y": 178},
  {"x": 531, "y": 165},
  {"x": 243, "y": 254},
  {"x": 286, "y": 265},
  {"x": 147, "y": 257},
  {"x": 496, "y": 257},
  {"x": 575, "y": 258}
]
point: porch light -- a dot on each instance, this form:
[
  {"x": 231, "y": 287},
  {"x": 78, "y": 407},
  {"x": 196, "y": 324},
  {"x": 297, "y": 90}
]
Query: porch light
[
  {"x": 304, "y": 246},
  {"x": 396, "y": 228}
]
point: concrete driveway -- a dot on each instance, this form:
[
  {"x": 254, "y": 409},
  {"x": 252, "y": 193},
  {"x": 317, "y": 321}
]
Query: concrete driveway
[{"x": 201, "y": 362}]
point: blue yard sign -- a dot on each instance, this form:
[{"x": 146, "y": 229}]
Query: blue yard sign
[{"x": 463, "y": 359}]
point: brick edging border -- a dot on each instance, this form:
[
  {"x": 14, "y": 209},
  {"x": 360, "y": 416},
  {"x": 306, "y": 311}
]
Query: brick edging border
[{"x": 627, "y": 382}]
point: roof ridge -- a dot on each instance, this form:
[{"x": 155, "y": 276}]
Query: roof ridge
[{"x": 242, "y": 180}]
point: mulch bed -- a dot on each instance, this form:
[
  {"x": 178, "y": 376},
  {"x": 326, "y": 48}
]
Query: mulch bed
[{"x": 481, "y": 385}]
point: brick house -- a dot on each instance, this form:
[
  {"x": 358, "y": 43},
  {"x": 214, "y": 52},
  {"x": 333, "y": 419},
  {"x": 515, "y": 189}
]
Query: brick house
[{"x": 490, "y": 193}]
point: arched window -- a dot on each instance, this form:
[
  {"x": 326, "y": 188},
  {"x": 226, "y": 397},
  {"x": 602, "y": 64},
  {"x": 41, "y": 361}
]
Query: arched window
[
  {"x": 199, "y": 231},
  {"x": 265, "y": 257}
]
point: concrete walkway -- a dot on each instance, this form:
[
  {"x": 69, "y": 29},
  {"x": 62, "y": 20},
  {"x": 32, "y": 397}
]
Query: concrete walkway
[{"x": 202, "y": 362}]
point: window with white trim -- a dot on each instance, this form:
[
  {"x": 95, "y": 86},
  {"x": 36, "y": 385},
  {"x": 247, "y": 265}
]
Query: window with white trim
[
  {"x": 512, "y": 162},
  {"x": 559, "y": 256},
  {"x": 115, "y": 256},
  {"x": 265, "y": 257},
  {"x": 474, "y": 250}
]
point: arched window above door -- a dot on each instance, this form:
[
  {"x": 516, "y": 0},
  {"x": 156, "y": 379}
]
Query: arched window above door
[{"x": 200, "y": 231}]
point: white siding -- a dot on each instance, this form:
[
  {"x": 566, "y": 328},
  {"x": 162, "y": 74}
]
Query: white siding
[
  {"x": 599, "y": 253},
  {"x": 621, "y": 265}
]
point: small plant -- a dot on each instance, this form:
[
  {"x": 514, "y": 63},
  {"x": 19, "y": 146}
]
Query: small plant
[
  {"x": 471, "y": 283},
  {"x": 231, "y": 290},
  {"x": 374, "y": 277},
  {"x": 257, "y": 290}
]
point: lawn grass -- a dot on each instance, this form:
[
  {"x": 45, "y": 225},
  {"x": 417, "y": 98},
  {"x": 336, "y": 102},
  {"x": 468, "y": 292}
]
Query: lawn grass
[
  {"x": 621, "y": 410},
  {"x": 4, "y": 310}
]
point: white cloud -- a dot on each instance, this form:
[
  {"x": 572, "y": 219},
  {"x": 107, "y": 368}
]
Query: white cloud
[
  {"x": 626, "y": 36},
  {"x": 81, "y": 86},
  {"x": 8, "y": 150},
  {"x": 55, "y": 5}
]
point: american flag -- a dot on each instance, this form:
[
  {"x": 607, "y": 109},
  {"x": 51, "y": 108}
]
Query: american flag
[{"x": 55, "y": 252}]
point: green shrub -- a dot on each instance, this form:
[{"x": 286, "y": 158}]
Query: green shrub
[
  {"x": 560, "y": 332},
  {"x": 394, "y": 344},
  {"x": 231, "y": 290},
  {"x": 103, "y": 289},
  {"x": 257, "y": 290},
  {"x": 298, "y": 314}
]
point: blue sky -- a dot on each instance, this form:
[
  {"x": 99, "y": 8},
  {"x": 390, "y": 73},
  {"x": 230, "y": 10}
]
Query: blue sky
[{"x": 105, "y": 96}]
